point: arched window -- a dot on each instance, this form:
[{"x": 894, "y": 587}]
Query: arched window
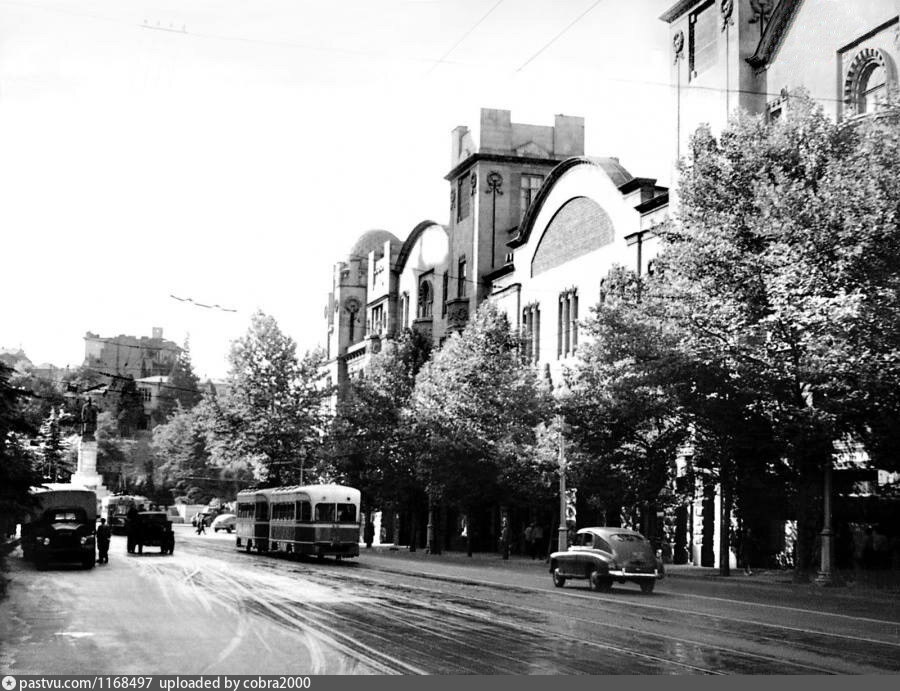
[
  {"x": 870, "y": 78},
  {"x": 872, "y": 88},
  {"x": 426, "y": 300}
]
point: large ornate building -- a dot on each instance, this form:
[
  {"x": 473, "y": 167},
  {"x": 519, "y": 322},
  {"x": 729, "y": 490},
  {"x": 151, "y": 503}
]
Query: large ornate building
[{"x": 534, "y": 224}]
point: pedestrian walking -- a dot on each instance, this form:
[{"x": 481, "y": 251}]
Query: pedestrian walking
[
  {"x": 369, "y": 534},
  {"x": 131, "y": 527},
  {"x": 529, "y": 540},
  {"x": 537, "y": 537},
  {"x": 201, "y": 524},
  {"x": 104, "y": 534}
]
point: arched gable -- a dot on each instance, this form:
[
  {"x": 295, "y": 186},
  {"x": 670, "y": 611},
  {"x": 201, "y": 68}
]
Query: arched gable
[
  {"x": 411, "y": 240},
  {"x": 579, "y": 226}
]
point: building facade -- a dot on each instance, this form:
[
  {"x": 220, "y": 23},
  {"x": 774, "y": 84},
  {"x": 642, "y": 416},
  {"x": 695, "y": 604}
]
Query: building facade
[
  {"x": 133, "y": 356},
  {"x": 752, "y": 54}
]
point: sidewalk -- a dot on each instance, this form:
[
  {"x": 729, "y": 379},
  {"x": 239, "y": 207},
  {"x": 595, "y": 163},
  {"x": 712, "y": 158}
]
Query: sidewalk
[{"x": 524, "y": 571}]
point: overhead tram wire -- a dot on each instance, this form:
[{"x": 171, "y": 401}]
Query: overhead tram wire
[
  {"x": 462, "y": 38},
  {"x": 555, "y": 38},
  {"x": 288, "y": 44}
]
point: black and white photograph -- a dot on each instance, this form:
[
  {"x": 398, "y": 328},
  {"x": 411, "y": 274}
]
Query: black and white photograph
[{"x": 484, "y": 338}]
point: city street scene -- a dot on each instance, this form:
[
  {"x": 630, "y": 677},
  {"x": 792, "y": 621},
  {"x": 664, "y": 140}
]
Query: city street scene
[{"x": 612, "y": 389}]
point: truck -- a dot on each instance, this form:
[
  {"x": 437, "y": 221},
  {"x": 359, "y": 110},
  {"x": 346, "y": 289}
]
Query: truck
[{"x": 61, "y": 526}]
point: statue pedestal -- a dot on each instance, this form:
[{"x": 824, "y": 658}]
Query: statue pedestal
[{"x": 86, "y": 472}]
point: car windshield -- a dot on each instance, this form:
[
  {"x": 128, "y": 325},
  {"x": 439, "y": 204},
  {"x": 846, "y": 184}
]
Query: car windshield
[
  {"x": 154, "y": 517},
  {"x": 66, "y": 516}
]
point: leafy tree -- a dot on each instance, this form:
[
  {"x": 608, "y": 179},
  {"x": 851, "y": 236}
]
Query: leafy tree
[
  {"x": 272, "y": 415},
  {"x": 128, "y": 407},
  {"x": 112, "y": 457},
  {"x": 475, "y": 408},
  {"x": 372, "y": 445},
  {"x": 623, "y": 404},
  {"x": 52, "y": 448},
  {"x": 46, "y": 395},
  {"x": 18, "y": 472},
  {"x": 181, "y": 389},
  {"x": 181, "y": 444},
  {"x": 783, "y": 269}
]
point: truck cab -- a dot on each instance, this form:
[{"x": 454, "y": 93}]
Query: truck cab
[{"x": 61, "y": 526}]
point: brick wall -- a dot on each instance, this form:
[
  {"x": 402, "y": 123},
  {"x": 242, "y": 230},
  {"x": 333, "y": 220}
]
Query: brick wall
[{"x": 580, "y": 226}]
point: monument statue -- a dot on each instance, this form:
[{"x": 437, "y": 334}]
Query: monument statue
[{"x": 88, "y": 420}]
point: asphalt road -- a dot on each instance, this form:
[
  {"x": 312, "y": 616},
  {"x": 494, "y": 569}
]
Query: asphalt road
[{"x": 214, "y": 610}]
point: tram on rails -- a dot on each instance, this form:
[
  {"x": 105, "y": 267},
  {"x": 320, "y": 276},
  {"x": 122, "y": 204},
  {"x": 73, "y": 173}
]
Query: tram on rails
[
  {"x": 310, "y": 520},
  {"x": 114, "y": 508}
]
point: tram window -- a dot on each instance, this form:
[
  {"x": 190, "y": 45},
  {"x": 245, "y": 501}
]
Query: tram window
[
  {"x": 346, "y": 513},
  {"x": 325, "y": 512},
  {"x": 262, "y": 512},
  {"x": 304, "y": 511},
  {"x": 245, "y": 510}
]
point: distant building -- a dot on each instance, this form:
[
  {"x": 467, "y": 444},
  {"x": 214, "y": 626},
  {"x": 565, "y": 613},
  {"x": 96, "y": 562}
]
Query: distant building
[{"x": 133, "y": 356}]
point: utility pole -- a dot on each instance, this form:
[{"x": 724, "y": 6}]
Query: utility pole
[{"x": 562, "y": 541}]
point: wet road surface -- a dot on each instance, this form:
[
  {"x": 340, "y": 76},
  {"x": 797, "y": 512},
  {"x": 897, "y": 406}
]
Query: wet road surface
[{"x": 276, "y": 615}]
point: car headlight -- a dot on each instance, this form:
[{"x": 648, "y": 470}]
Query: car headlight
[
  {"x": 45, "y": 540},
  {"x": 87, "y": 539}
]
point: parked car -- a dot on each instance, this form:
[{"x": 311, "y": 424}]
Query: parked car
[
  {"x": 224, "y": 521},
  {"x": 153, "y": 529},
  {"x": 607, "y": 555}
]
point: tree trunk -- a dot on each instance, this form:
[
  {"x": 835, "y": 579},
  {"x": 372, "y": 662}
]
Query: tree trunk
[
  {"x": 470, "y": 532},
  {"x": 413, "y": 528},
  {"x": 804, "y": 549},
  {"x": 725, "y": 530}
]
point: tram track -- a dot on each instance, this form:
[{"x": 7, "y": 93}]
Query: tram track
[{"x": 455, "y": 626}]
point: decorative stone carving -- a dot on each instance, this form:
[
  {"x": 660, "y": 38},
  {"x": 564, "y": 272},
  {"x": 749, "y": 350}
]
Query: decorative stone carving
[
  {"x": 727, "y": 7},
  {"x": 678, "y": 45},
  {"x": 457, "y": 313},
  {"x": 452, "y": 199},
  {"x": 474, "y": 183},
  {"x": 762, "y": 9},
  {"x": 494, "y": 183}
]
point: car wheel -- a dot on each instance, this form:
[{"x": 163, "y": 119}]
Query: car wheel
[
  {"x": 647, "y": 586},
  {"x": 558, "y": 580},
  {"x": 41, "y": 563},
  {"x": 230, "y": 530},
  {"x": 88, "y": 563},
  {"x": 248, "y": 546},
  {"x": 602, "y": 584}
]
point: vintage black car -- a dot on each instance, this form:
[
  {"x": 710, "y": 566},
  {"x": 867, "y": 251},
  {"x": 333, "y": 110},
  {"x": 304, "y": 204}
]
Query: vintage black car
[
  {"x": 151, "y": 529},
  {"x": 607, "y": 555},
  {"x": 61, "y": 526}
]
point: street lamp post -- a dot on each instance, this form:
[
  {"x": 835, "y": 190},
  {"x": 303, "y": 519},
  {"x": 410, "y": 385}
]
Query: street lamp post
[
  {"x": 562, "y": 542},
  {"x": 826, "y": 575}
]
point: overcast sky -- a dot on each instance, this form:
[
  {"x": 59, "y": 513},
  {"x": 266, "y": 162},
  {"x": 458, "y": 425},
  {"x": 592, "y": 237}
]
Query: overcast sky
[{"x": 231, "y": 151}]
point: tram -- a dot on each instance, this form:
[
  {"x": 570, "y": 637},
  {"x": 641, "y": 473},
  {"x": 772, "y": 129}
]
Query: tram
[
  {"x": 312, "y": 520},
  {"x": 114, "y": 508}
]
